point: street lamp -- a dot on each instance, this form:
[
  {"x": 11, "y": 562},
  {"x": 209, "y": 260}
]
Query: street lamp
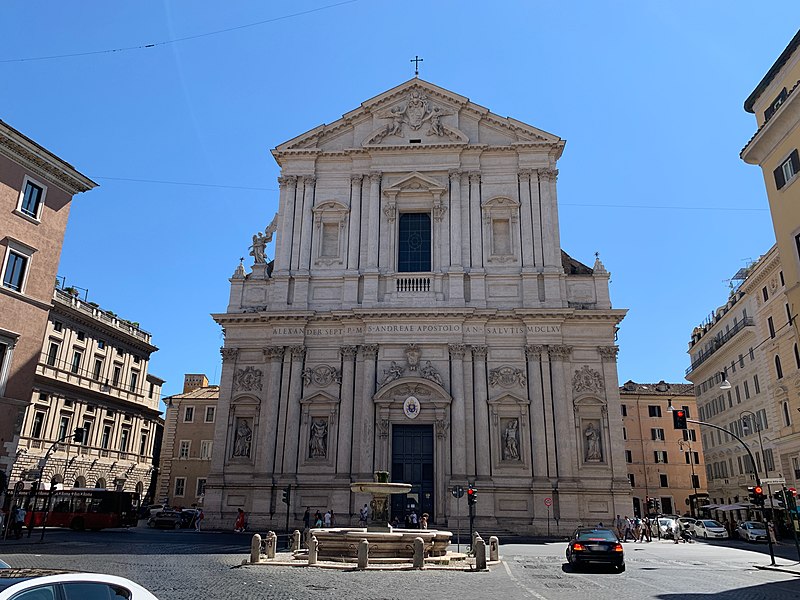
[{"x": 725, "y": 385}]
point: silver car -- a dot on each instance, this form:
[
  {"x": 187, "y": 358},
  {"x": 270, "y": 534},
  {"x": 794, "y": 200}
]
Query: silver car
[
  {"x": 710, "y": 529},
  {"x": 752, "y": 531}
]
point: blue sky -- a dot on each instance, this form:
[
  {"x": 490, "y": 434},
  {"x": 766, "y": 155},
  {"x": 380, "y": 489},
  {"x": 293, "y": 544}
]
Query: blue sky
[{"x": 648, "y": 96}]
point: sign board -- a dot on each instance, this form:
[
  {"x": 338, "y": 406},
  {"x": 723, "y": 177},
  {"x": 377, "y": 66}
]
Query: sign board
[
  {"x": 774, "y": 481},
  {"x": 457, "y": 491},
  {"x": 548, "y": 502}
]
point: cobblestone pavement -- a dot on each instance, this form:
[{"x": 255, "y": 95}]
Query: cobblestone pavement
[{"x": 184, "y": 565}]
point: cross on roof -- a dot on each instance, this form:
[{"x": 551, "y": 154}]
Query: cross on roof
[{"x": 416, "y": 60}]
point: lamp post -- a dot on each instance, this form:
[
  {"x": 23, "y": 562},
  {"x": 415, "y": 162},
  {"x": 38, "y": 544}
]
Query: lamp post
[{"x": 693, "y": 502}]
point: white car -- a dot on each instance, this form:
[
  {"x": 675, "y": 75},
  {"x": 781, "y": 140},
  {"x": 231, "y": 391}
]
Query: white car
[
  {"x": 709, "y": 529},
  {"x": 752, "y": 531},
  {"x": 49, "y": 584}
]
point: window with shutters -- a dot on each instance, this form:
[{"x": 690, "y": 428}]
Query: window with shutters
[
  {"x": 660, "y": 456},
  {"x": 787, "y": 170}
]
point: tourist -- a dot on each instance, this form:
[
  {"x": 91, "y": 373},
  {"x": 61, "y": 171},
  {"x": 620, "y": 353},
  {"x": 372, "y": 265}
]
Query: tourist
[
  {"x": 423, "y": 522},
  {"x": 198, "y": 519},
  {"x": 363, "y": 515},
  {"x": 307, "y": 519},
  {"x": 619, "y": 525},
  {"x": 19, "y": 521},
  {"x": 414, "y": 522},
  {"x": 318, "y": 519},
  {"x": 327, "y": 518},
  {"x": 676, "y": 530},
  {"x": 241, "y": 522}
]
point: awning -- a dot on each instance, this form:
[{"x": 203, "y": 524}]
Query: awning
[{"x": 730, "y": 507}]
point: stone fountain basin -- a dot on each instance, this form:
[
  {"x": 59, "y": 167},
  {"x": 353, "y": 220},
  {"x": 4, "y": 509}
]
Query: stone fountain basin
[
  {"x": 381, "y": 489},
  {"x": 342, "y": 542}
]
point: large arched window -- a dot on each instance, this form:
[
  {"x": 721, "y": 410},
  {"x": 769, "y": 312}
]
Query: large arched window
[
  {"x": 414, "y": 243},
  {"x": 778, "y": 368},
  {"x": 101, "y": 484}
]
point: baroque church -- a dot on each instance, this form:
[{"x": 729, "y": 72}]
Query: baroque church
[{"x": 420, "y": 318}]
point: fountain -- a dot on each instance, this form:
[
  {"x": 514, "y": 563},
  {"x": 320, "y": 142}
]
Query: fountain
[{"x": 385, "y": 541}]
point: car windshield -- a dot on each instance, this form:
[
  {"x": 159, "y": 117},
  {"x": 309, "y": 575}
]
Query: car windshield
[
  {"x": 667, "y": 522},
  {"x": 755, "y": 525},
  {"x": 712, "y": 523},
  {"x": 589, "y": 535}
]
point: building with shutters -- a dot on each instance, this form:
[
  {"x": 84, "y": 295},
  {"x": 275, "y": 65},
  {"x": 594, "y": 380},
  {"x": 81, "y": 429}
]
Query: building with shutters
[
  {"x": 36, "y": 188},
  {"x": 420, "y": 318}
]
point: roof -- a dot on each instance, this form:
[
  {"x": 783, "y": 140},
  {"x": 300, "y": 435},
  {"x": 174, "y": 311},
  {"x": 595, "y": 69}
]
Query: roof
[
  {"x": 773, "y": 71},
  {"x": 657, "y": 389},
  {"x": 210, "y": 392},
  {"x": 574, "y": 267}
]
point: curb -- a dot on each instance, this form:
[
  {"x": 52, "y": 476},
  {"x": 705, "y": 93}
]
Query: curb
[{"x": 791, "y": 569}]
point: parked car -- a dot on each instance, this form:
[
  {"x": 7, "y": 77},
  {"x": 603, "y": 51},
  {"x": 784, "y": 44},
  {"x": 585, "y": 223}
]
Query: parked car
[
  {"x": 751, "y": 531},
  {"x": 154, "y": 509},
  {"x": 49, "y": 583},
  {"x": 709, "y": 528},
  {"x": 595, "y": 545},
  {"x": 166, "y": 519},
  {"x": 662, "y": 525}
]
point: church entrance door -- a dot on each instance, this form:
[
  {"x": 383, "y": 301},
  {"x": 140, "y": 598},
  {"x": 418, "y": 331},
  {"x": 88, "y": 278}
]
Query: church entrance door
[{"x": 412, "y": 462}]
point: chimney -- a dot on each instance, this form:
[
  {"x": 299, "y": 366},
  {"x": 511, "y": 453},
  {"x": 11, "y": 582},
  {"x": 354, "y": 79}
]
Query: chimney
[{"x": 193, "y": 381}]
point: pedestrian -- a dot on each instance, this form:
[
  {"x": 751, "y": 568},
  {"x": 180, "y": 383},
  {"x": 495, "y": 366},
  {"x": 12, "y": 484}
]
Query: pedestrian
[
  {"x": 619, "y": 525},
  {"x": 198, "y": 519},
  {"x": 318, "y": 520},
  {"x": 423, "y": 522},
  {"x": 628, "y": 529},
  {"x": 241, "y": 522},
  {"x": 307, "y": 519},
  {"x": 676, "y": 530},
  {"x": 637, "y": 529},
  {"x": 414, "y": 522},
  {"x": 363, "y": 515},
  {"x": 333, "y": 519},
  {"x": 646, "y": 535},
  {"x": 19, "y": 521},
  {"x": 771, "y": 532},
  {"x": 327, "y": 518}
]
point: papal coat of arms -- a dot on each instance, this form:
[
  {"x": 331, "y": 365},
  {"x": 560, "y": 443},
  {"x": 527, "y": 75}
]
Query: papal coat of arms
[{"x": 411, "y": 407}]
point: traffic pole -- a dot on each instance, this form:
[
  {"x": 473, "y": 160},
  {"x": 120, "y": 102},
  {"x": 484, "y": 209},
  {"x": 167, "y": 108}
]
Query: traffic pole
[{"x": 791, "y": 518}]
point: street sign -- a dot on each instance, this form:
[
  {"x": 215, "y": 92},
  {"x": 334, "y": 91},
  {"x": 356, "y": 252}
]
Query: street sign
[
  {"x": 548, "y": 502},
  {"x": 774, "y": 481},
  {"x": 457, "y": 491}
]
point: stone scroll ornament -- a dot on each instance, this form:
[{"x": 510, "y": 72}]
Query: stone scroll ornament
[
  {"x": 243, "y": 439},
  {"x": 587, "y": 380},
  {"x": 323, "y": 375},
  {"x": 507, "y": 377},
  {"x": 247, "y": 380},
  {"x": 318, "y": 445}
]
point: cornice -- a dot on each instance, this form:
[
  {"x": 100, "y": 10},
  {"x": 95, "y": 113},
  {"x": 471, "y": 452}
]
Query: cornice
[
  {"x": 108, "y": 330},
  {"x": 42, "y": 162}
]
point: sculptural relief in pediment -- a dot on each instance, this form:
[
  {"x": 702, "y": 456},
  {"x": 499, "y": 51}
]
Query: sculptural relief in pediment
[{"x": 416, "y": 115}]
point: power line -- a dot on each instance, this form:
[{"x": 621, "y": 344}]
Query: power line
[
  {"x": 176, "y": 40},
  {"x": 723, "y": 208},
  {"x": 210, "y": 185}
]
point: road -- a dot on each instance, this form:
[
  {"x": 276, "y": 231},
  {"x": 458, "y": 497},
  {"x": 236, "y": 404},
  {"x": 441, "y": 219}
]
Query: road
[{"x": 184, "y": 565}]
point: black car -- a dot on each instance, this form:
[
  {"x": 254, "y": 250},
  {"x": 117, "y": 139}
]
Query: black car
[{"x": 595, "y": 545}]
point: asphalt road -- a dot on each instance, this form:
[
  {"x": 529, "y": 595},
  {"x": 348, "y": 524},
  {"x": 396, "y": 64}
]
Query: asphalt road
[{"x": 184, "y": 565}]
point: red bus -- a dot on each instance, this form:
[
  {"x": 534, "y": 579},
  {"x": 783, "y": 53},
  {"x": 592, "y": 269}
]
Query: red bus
[{"x": 84, "y": 508}]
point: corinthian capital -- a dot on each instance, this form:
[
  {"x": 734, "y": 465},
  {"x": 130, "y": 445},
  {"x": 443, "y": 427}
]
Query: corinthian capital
[
  {"x": 287, "y": 181},
  {"x": 525, "y": 174},
  {"x": 298, "y": 351},
  {"x": 369, "y": 350},
  {"x": 457, "y": 350},
  {"x": 271, "y": 352},
  {"x": 548, "y": 174},
  {"x": 356, "y": 178},
  {"x": 608, "y": 352},
  {"x": 559, "y": 352},
  {"x": 309, "y": 180},
  {"x": 348, "y": 351},
  {"x": 474, "y": 176},
  {"x": 479, "y": 351},
  {"x": 534, "y": 351},
  {"x": 229, "y": 354},
  {"x": 455, "y": 174},
  {"x": 375, "y": 176}
]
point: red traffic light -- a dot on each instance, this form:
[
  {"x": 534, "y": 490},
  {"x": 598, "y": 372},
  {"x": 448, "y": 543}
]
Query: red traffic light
[
  {"x": 681, "y": 414},
  {"x": 792, "y": 491},
  {"x": 758, "y": 490},
  {"x": 470, "y": 491}
]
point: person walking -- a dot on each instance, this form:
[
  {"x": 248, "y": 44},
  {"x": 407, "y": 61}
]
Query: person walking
[
  {"x": 327, "y": 519},
  {"x": 19, "y": 521},
  {"x": 363, "y": 515},
  {"x": 307, "y": 519},
  {"x": 646, "y": 535},
  {"x": 241, "y": 522},
  {"x": 423, "y": 521},
  {"x": 414, "y": 522},
  {"x": 333, "y": 519},
  {"x": 676, "y": 530},
  {"x": 619, "y": 525},
  {"x": 198, "y": 519}
]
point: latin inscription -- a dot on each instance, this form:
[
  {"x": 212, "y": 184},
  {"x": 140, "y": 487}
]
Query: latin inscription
[{"x": 417, "y": 328}]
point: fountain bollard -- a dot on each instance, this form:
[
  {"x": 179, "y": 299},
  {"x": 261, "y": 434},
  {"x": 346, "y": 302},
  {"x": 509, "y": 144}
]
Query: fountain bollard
[
  {"x": 272, "y": 540},
  {"x": 475, "y": 536},
  {"x": 480, "y": 554},
  {"x": 419, "y": 553},
  {"x": 494, "y": 548},
  {"x": 296, "y": 540},
  {"x": 363, "y": 554},
  {"x": 313, "y": 549},
  {"x": 255, "y": 549},
  {"x": 308, "y": 538}
]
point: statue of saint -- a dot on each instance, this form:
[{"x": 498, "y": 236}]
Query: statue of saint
[
  {"x": 244, "y": 437},
  {"x": 593, "y": 450},
  {"x": 510, "y": 442},
  {"x": 258, "y": 248},
  {"x": 318, "y": 448}
]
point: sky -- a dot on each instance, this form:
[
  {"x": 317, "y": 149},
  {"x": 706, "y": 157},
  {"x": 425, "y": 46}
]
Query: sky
[{"x": 177, "y": 124}]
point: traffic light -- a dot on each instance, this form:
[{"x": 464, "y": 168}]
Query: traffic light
[
  {"x": 756, "y": 494},
  {"x": 777, "y": 499},
  {"x": 287, "y": 495},
  {"x": 472, "y": 496},
  {"x": 78, "y": 435},
  {"x": 657, "y": 505},
  {"x": 791, "y": 499},
  {"x": 651, "y": 504},
  {"x": 679, "y": 418}
]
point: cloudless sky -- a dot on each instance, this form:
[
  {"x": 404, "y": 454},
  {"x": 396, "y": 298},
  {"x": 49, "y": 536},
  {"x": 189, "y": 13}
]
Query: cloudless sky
[{"x": 647, "y": 94}]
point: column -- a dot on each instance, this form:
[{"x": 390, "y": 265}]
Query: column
[
  {"x": 355, "y": 221},
  {"x": 283, "y": 243},
  {"x": 304, "y": 260},
  {"x": 364, "y": 420},
  {"x": 614, "y": 457},
  {"x": 455, "y": 219},
  {"x": 551, "y": 440},
  {"x": 293, "y": 411},
  {"x": 296, "y": 223},
  {"x": 466, "y": 212},
  {"x": 387, "y": 216},
  {"x": 483, "y": 443},
  {"x": 269, "y": 409},
  {"x": 346, "y": 415},
  {"x": 457, "y": 413},
  {"x": 469, "y": 413},
  {"x": 562, "y": 411},
  {"x": 527, "y": 219},
  {"x": 283, "y": 403},
  {"x": 223, "y": 417},
  {"x": 547, "y": 182},
  {"x": 536, "y": 414},
  {"x": 476, "y": 242},
  {"x": 374, "y": 220}
]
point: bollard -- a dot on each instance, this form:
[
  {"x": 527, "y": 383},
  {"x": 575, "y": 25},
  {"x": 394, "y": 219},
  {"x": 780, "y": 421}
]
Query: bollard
[
  {"x": 273, "y": 544},
  {"x": 419, "y": 553},
  {"x": 296, "y": 540},
  {"x": 313, "y": 549},
  {"x": 308, "y": 538},
  {"x": 475, "y": 536},
  {"x": 494, "y": 548},
  {"x": 255, "y": 549},
  {"x": 480, "y": 554},
  {"x": 363, "y": 554}
]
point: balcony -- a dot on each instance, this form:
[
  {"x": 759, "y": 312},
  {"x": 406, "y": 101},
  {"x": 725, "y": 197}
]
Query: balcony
[
  {"x": 413, "y": 284},
  {"x": 720, "y": 341}
]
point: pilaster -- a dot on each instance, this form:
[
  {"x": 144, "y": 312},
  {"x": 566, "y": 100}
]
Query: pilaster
[
  {"x": 482, "y": 439},
  {"x": 364, "y": 433},
  {"x": 457, "y": 412},
  {"x": 293, "y": 411},
  {"x": 540, "y": 444},
  {"x": 346, "y": 414},
  {"x": 269, "y": 409}
]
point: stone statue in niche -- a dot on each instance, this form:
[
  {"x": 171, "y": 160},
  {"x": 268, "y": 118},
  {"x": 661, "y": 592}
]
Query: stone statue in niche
[
  {"x": 318, "y": 446},
  {"x": 594, "y": 450},
  {"x": 244, "y": 438},
  {"x": 511, "y": 440},
  {"x": 430, "y": 372}
]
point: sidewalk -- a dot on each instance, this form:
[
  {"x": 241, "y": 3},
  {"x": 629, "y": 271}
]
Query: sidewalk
[{"x": 782, "y": 566}]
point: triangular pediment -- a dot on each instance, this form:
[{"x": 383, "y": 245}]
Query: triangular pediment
[
  {"x": 415, "y": 182},
  {"x": 416, "y": 113}
]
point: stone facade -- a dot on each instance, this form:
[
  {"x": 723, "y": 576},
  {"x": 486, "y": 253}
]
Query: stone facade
[
  {"x": 490, "y": 346},
  {"x": 36, "y": 188},
  {"x": 91, "y": 373}
]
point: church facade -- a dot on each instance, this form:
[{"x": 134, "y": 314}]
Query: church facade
[{"x": 419, "y": 318}]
